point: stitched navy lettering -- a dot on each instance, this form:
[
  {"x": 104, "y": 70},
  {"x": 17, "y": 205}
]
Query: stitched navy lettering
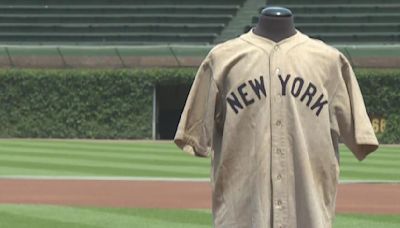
[
  {"x": 243, "y": 94},
  {"x": 258, "y": 86},
  {"x": 296, "y": 89},
  {"x": 234, "y": 103},
  {"x": 284, "y": 83},
  {"x": 304, "y": 90},
  {"x": 247, "y": 98},
  {"x": 319, "y": 104},
  {"x": 299, "y": 82},
  {"x": 310, "y": 92}
]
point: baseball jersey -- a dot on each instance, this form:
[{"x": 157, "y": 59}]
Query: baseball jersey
[{"x": 270, "y": 115}]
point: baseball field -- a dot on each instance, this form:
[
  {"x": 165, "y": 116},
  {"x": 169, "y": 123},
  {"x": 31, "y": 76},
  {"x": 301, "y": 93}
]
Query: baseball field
[{"x": 89, "y": 184}]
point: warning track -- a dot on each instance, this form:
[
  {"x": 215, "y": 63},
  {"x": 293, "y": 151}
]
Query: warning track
[{"x": 376, "y": 198}]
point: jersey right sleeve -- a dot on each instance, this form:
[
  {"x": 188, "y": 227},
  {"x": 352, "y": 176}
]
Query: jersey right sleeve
[
  {"x": 195, "y": 129},
  {"x": 350, "y": 116}
]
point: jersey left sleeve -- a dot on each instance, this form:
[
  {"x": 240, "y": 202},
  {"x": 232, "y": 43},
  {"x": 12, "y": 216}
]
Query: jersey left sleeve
[
  {"x": 195, "y": 130},
  {"x": 350, "y": 118}
]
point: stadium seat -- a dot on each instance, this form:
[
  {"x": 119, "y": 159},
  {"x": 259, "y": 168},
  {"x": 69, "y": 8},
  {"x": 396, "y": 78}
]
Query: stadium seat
[
  {"x": 353, "y": 22},
  {"x": 119, "y": 21}
]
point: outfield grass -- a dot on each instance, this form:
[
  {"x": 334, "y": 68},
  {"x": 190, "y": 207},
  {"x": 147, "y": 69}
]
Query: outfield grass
[
  {"x": 24, "y": 216},
  {"x": 150, "y": 159},
  {"x": 147, "y": 159}
]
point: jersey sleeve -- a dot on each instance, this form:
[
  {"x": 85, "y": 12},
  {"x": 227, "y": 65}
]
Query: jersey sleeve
[
  {"x": 351, "y": 121},
  {"x": 195, "y": 130}
]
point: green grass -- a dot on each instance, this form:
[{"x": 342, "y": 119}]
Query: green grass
[
  {"x": 383, "y": 164},
  {"x": 149, "y": 159},
  {"x": 24, "y": 216}
]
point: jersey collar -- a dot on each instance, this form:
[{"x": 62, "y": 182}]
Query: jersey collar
[{"x": 267, "y": 44}]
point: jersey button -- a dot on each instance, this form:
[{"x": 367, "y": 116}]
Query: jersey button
[
  {"x": 278, "y": 123},
  {"x": 279, "y": 177},
  {"x": 278, "y": 97},
  {"x": 279, "y": 203}
]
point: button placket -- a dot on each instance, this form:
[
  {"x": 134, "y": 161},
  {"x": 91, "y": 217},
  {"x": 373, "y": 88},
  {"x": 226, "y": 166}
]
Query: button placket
[
  {"x": 277, "y": 157},
  {"x": 277, "y": 95}
]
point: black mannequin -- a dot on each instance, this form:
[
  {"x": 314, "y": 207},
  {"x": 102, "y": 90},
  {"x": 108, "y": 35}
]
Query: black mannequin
[{"x": 275, "y": 23}]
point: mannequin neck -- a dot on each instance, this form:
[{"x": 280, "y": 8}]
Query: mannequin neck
[{"x": 275, "y": 28}]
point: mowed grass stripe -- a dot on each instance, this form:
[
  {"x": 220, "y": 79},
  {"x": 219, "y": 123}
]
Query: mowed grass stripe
[
  {"x": 153, "y": 160},
  {"x": 27, "y": 220},
  {"x": 373, "y": 156},
  {"x": 373, "y": 162},
  {"x": 100, "y": 149},
  {"x": 84, "y": 217},
  {"x": 101, "y": 164},
  {"x": 152, "y": 166},
  {"x": 157, "y": 143},
  {"x": 92, "y": 144},
  {"x": 381, "y": 150},
  {"x": 367, "y": 175},
  {"x": 86, "y": 170},
  {"x": 20, "y": 171},
  {"x": 382, "y": 166},
  {"x": 137, "y": 144},
  {"x": 43, "y": 216},
  {"x": 166, "y": 155},
  {"x": 371, "y": 169}
]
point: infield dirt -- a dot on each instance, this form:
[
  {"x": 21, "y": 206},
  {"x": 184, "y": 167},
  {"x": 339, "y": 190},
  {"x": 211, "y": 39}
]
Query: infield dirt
[{"x": 351, "y": 198}]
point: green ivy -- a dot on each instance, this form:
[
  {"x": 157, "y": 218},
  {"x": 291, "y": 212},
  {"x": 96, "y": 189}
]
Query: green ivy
[
  {"x": 381, "y": 93},
  {"x": 81, "y": 103},
  {"x": 118, "y": 103}
]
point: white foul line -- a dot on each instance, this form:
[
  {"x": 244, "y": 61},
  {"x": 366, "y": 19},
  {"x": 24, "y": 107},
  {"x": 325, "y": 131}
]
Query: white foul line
[{"x": 166, "y": 179}]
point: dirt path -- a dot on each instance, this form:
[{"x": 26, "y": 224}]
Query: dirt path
[{"x": 352, "y": 198}]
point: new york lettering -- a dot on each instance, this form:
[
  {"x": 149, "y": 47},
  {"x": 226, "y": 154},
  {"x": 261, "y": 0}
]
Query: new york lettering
[
  {"x": 256, "y": 86},
  {"x": 249, "y": 92},
  {"x": 306, "y": 93}
]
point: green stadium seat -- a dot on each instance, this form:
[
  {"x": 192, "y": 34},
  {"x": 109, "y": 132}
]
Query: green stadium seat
[
  {"x": 106, "y": 38},
  {"x": 329, "y": 2},
  {"x": 172, "y": 21},
  {"x": 344, "y": 23},
  {"x": 111, "y": 27},
  {"x": 348, "y": 18},
  {"x": 118, "y": 2},
  {"x": 120, "y": 9},
  {"x": 352, "y": 8},
  {"x": 348, "y": 27},
  {"x": 114, "y": 18},
  {"x": 358, "y": 37}
]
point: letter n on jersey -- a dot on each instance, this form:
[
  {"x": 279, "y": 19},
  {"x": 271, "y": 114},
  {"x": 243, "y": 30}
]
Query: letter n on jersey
[{"x": 246, "y": 94}]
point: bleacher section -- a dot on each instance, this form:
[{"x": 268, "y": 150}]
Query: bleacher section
[
  {"x": 345, "y": 21},
  {"x": 122, "y": 33},
  {"x": 114, "y": 22}
]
